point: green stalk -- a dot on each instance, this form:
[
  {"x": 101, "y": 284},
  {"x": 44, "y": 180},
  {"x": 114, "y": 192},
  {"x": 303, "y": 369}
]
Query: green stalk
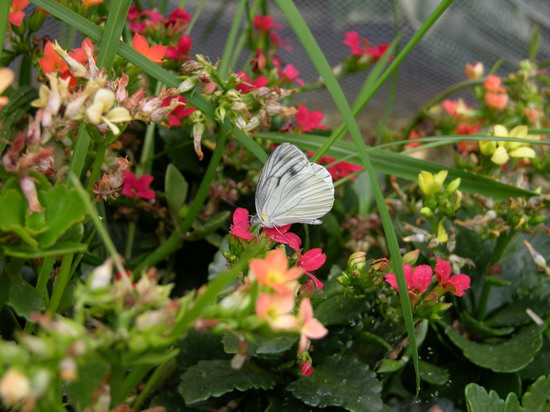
[
  {"x": 366, "y": 94},
  {"x": 162, "y": 372},
  {"x": 230, "y": 43},
  {"x": 117, "y": 384},
  {"x": 98, "y": 162},
  {"x": 61, "y": 283},
  {"x": 79, "y": 153},
  {"x": 176, "y": 238},
  {"x": 242, "y": 37},
  {"x": 4, "y": 13},
  {"x": 195, "y": 16},
  {"x": 116, "y": 19},
  {"x": 44, "y": 275},
  {"x": 148, "y": 151},
  {"x": 25, "y": 71},
  {"x": 130, "y": 240},
  {"x": 311, "y": 47}
]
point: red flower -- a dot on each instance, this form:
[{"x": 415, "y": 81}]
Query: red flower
[
  {"x": 307, "y": 121},
  {"x": 179, "y": 16},
  {"x": 456, "y": 284},
  {"x": 180, "y": 51},
  {"x": 17, "y": 14},
  {"x": 467, "y": 146},
  {"x": 312, "y": 260},
  {"x": 359, "y": 46},
  {"x": 496, "y": 101},
  {"x": 247, "y": 85},
  {"x": 134, "y": 187},
  {"x": 153, "y": 53},
  {"x": 80, "y": 54},
  {"x": 418, "y": 280},
  {"x": 180, "y": 112},
  {"x": 282, "y": 235},
  {"x": 51, "y": 62},
  {"x": 307, "y": 369},
  {"x": 339, "y": 170},
  {"x": 265, "y": 23},
  {"x": 241, "y": 224},
  {"x": 290, "y": 74},
  {"x": 378, "y": 51}
]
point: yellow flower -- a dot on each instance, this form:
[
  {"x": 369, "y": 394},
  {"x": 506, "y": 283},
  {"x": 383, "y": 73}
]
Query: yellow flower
[
  {"x": 431, "y": 183},
  {"x": 501, "y": 151}
]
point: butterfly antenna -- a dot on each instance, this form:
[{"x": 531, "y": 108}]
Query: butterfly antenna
[
  {"x": 228, "y": 202},
  {"x": 281, "y": 233}
]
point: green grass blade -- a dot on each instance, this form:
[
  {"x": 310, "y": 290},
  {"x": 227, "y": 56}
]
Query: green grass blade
[
  {"x": 4, "y": 13},
  {"x": 404, "y": 167},
  {"x": 116, "y": 19},
  {"x": 317, "y": 57},
  {"x": 231, "y": 38}
]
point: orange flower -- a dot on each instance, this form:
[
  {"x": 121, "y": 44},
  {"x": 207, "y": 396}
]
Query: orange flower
[
  {"x": 16, "y": 12},
  {"x": 275, "y": 309},
  {"x": 310, "y": 328},
  {"x": 496, "y": 101},
  {"x": 89, "y": 3},
  {"x": 154, "y": 53},
  {"x": 492, "y": 84},
  {"x": 273, "y": 272},
  {"x": 52, "y": 62}
]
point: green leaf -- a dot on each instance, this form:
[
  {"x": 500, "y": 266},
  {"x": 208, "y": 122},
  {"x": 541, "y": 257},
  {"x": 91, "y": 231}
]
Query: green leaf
[
  {"x": 481, "y": 329},
  {"x": 540, "y": 365},
  {"x": 478, "y": 400},
  {"x": 537, "y": 397},
  {"x": 176, "y": 188},
  {"x": 28, "y": 252},
  {"x": 199, "y": 346},
  {"x": 13, "y": 208},
  {"x": 391, "y": 365},
  {"x": 216, "y": 377},
  {"x": 170, "y": 401},
  {"x": 340, "y": 381},
  {"x": 64, "y": 208},
  {"x": 262, "y": 345},
  {"x": 534, "y": 43},
  {"x": 90, "y": 377},
  {"x": 433, "y": 374},
  {"x": 514, "y": 314},
  {"x": 341, "y": 310},
  {"x": 116, "y": 19},
  {"x": 509, "y": 356},
  {"x": 363, "y": 190},
  {"x": 23, "y": 298}
]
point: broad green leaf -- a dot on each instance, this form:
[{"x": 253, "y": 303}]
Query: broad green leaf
[
  {"x": 340, "y": 381},
  {"x": 28, "y": 252},
  {"x": 261, "y": 345},
  {"x": 509, "y": 356},
  {"x": 341, "y": 310},
  {"x": 23, "y": 298},
  {"x": 478, "y": 400},
  {"x": 216, "y": 377},
  {"x": 433, "y": 374},
  {"x": 175, "y": 187},
  {"x": 363, "y": 190},
  {"x": 537, "y": 397},
  {"x": 199, "y": 346},
  {"x": 514, "y": 314},
  {"x": 481, "y": 329},
  {"x": 13, "y": 208},
  {"x": 391, "y": 365},
  {"x": 64, "y": 208},
  {"x": 90, "y": 376},
  {"x": 540, "y": 365}
]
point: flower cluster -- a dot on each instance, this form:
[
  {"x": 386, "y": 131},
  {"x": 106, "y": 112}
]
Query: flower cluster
[{"x": 501, "y": 151}]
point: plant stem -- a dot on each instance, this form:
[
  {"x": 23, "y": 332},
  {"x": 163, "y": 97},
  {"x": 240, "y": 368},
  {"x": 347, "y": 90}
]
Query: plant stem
[
  {"x": 148, "y": 151},
  {"x": 195, "y": 16},
  {"x": 230, "y": 43},
  {"x": 4, "y": 13},
  {"x": 130, "y": 240},
  {"x": 117, "y": 384},
  {"x": 61, "y": 284},
  {"x": 98, "y": 162},
  {"x": 162, "y": 372},
  {"x": 44, "y": 275}
]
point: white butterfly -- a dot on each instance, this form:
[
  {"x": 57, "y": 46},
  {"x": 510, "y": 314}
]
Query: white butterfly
[{"x": 291, "y": 189}]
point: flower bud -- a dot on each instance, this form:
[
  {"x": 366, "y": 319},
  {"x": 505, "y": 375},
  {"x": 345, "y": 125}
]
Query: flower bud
[
  {"x": 307, "y": 289},
  {"x": 14, "y": 387},
  {"x": 474, "y": 71},
  {"x": 357, "y": 261},
  {"x": 442, "y": 233},
  {"x": 379, "y": 265},
  {"x": 411, "y": 257},
  {"x": 186, "y": 85},
  {"x": 426, "y": 212},
  {"x": 452, "y": 186},
  {"x": 68, "y": 369}
]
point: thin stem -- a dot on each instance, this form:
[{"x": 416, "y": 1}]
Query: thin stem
[
  {"x": 230, "y": 43},
  {"x": 195, "y": 16},
  {"x": 79, "y": 153},
  {"x": 61, "y": 284},
  {"x": 130, "y": 240},
  {"x": 161, "y": 373},
  {"x": 117, "y": 384},
  {"x": 98, "y": 162},
  {"x": 148, "y": 151},
  {"x": 4, "y": 13},
  {"x": 44, "y": 275},
  {"x": 242, "y": 37}
]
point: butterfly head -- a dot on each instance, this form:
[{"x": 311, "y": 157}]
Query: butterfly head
[{"x": 261, "y": 219}]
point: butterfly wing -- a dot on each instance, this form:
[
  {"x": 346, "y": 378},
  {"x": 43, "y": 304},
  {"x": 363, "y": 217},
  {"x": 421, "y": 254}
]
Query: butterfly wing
[{"x": 292, "y": 190}]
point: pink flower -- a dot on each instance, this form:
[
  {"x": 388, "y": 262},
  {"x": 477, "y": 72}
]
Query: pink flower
[
  {"x": 290, "y": 74},
  {"x": 377, "y": 52},
  {"x": 265, "y": 23},
  {"x": 180, "y": 112},
  {"x": 282, "y": 235},
  {"x": 456, "y": 284},
  {"x": 273, "y": 271},
  {"x": 312, "y": 260},
  {"x": 241, "y": 224},
  {"x": 16, "y": 13},
  {"x": 310, "y": 328},
  {"x": 246, "y": 85},
  {"x": 133, "y": 13},
  {"x": 339, "y": 170},
  {"x": 307, "y": 121},
  {"x": 179, "y": 16},
  {"x": 276, "y": 310},
  {"x": 134, "y": 187},
  {"x": 418, "y": 280},
  {"x": 353, "y": 41},
  {"x": 181, "y": 50}
]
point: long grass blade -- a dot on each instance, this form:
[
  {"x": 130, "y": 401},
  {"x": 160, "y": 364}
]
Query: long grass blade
[
  {"x": 231, "y": 38},
  {"x": 4, "y": 13},
  {"x": 116, "y": 19}
]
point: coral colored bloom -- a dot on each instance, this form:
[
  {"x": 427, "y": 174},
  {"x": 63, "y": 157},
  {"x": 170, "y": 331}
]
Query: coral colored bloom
[
  {"x": 417, "y": 280},
  {"x": 52, "y": 62},
  {"x": 310, "y": 328},
  {"x": 273, "y": 271},
  {"x": 455, "y": 284},
  {"x": 89, "y": 3},
  {"x": 276, "y": 310},
  {"x": 413, "y": 135},
  {"x": 80, "y": 54},
  {"x": 307, "y": 121},
  {"x": 134, "y": 187},
  {"x": 496, "y": 101},
  {"x": 312, "y": 260},
  {"x": 153, "y": 53},
  {"x": 17, "y": 14},
  {"x": 493, "y": 84},
  {"x": 290, "y": 74},
  {"x": 241, "y": 224},
  {"x": 457, "y": 108},
  {"x": 180, "y": 112},
  {"x": 265, "y": 23},
  {"x": 181, "y": 50},
  {"x": 246, "y": 85}
]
